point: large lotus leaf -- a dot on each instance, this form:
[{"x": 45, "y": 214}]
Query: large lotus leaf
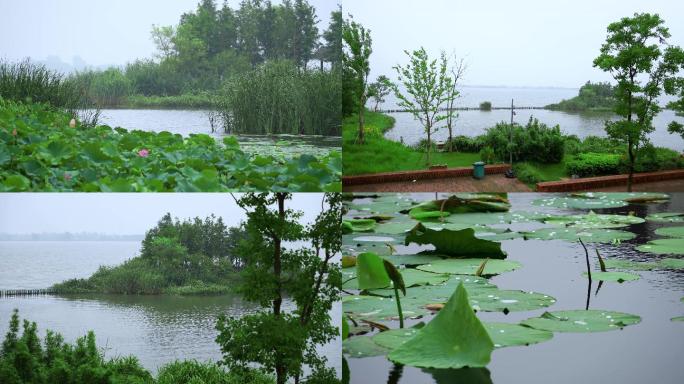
[
  {"x": 629, "y": 265},
  {"x": 455, "y": 243},
  {"x": 359, "y": 239},
  {"x": 345, "y": 328},
  {"x": 501, "y": 236},
  {"x": 463, "y": 375},
  {"x": 678, "y": 318},
  {"x": 507, "y": 335},
  {"x": 664, "y": 246},
  {"x": 413, "y": 277},
  {"x": 440, "y": 293},
  {"x": 387, "y": 204},
  {"x": 671, "y": 263},
  {"x": 375, "y": 247},
  {"x": 593, "y": 220},
  {"x": 395, "y": 227},
  {"x": 360, "y": 225},
  {"x": 580, "y": 202},
  {"x": 459, "y": 204},
  {"x": 525, "y": 216},
  {"x": 619, "y": 277},
  {"x": 370, "y": 271},
  {"x": 439, "y": 225},
  {"x": 572, "y": 234},
  {"x": 497, "y": 300},
  {"x": 630, "y": 197},
  {"x": 470, "y": 266},
  {"x": 472, "y": 219},
  {"x": 411, "y": 260},
  {"x": 381, "y": 308},
  {"x": 393, "y": 338},
  {"x": 593, "y": 320},
  {"x": 666, "y": 217},
  {"x": 671, "y": 231},
  {"x": 362, "y": 346},
  {"x": 455, "y": 338}
]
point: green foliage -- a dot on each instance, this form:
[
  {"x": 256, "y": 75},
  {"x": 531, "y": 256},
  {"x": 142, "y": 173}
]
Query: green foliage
[
  {"x": 527, "y": 173},
  {"x": 651, "y": 159},
  {"x": 24, "y": 359},
  {"x": 356, "y": 59},
  {"x": 277, "y": 97},
  {"x": 533, "y": 142},
  {"x": 40, "y": 152},
  {"x": 486, "y": 106},
  {"x": 644, "y": 65},
  {"x": 109, "y": 87},
  {"x": 379, "y": 90},
  {"x": 207, "y": 373},
  {"x": 591, "y": 97},
  {"x": 487, "y": 155},
  {"x": 278, "y": 341},
  {"x": 465, "y": 143},
  {"x": 594, "y": 164}
]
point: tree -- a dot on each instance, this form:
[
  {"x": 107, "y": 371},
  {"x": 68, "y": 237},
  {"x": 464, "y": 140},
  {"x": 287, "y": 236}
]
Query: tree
[
  {"x": 458, "y": 69},
  {"x": 633, "y": 54},
  {"x": 332, "y": 47},
  {"x": 426, "y": 84},
  {"x": 379, "y": 90},
  {"x": 356, "y": 58},
  {"x": 163, "y": 40},
  {"x": 277, "y": 340}
]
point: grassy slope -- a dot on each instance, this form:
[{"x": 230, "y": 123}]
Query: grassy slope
[{"x": 382, "y": 155}]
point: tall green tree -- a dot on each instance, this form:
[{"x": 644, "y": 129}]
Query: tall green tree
[
  {"x": 426, "y": 87},
  {"x": 356, "y": 58},
  {"x": 379, "y": 89},
  {"x": 332, "y": 37},
  {"x": 457, "y": 69},
  {"x": 277, "y": 340},
  {"x": 637, "y": 56}
]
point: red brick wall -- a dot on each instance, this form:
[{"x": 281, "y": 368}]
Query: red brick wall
[
  {"x": 385, "y": 177},
  {"x": 589, "y": 183}
]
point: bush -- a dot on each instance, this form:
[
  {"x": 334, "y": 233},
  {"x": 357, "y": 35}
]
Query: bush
[
  {"x": 594, "y": 164},
  {"x": 465, "y": 144},
  {"x": 207, "y": 373},
  {"x": 651, "y": 159},
  {"x": 486, "y": 106},
  {"x": 534, "y": 142},
  {"x": 487, "y": 155},
  {"x": 527, "y": 173}
]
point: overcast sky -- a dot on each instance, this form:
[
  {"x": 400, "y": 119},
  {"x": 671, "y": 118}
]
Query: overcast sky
[
  {"x": 513, "y": 43},
  {"x": 100, "y": 32},
  {"x": 123, "y": 213}
]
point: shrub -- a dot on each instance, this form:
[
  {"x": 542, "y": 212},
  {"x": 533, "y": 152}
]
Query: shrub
[
  {"x": 207, "y": 373},
  {"x": 533, "y": 142},
  {"x": 487, "y": 155},
  {"x": 594, "y": 164},
  {"x": 527, "y": 173},
  {"x": 486, "y": 106},
  {"x": 651, "y": 159},
  {"x": 465, "y": 144}
]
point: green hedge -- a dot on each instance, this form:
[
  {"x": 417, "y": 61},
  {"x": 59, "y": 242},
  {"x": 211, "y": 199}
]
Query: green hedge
[
  {"x": 594, "y": 164},
  {"x": 534, "y": 142}
]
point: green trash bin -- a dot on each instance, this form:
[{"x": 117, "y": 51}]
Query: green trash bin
[{"x": 479, "y": 170}]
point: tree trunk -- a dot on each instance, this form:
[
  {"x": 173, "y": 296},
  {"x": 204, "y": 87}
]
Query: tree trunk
[
  {"x": 277, "y": 302},
  {"x": 362, "y": 109},
  {"x": 428, "y": 144},
  {"x": 631, "y": 166}
]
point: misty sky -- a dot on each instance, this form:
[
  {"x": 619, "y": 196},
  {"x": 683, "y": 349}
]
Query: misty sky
[
  {"x": 513, "y": 43},
  {"x": 123, "y": 213},
  {"x": 99, "y": 32}
]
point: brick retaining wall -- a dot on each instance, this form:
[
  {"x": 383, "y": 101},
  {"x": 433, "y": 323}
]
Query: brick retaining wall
[
  {"x": 589, "y": 183},
  {"x": 386, "y": 177}
]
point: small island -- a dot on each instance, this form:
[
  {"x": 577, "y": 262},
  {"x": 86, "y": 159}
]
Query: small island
[{"x": 592, "y": 97}]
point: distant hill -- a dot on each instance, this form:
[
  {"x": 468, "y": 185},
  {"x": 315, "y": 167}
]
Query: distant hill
[
  {"x": 591, "y": 97},
  {"x": 68, "y": 236}
]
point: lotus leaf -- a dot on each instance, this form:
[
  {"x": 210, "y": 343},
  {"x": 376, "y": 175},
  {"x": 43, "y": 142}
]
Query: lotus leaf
[
  {"x": 619, "y": 277},
  {"x": 671, "y": 263},
  {"x": 360, "y": 225},
  {"x": 470, "y": 266},
  {"x": 671, "y": 231},
  {"x": 630, "y": 197},
  {"x": 666, "y": 217},
  {"x": 629, "y": 265},
  {"x": 572, "y": 234},
  {"x": 455, "y": 243},
  {"x": 370, "y": 271},
  {"x": 604, "y": 201},
  {"x": 673, "y": 246},
  {"x": 593, "y": 320},
  {"x": 362, "y": 346},
  {"x": 507, "y": 335},
  {"x": 592, "y": 220}
]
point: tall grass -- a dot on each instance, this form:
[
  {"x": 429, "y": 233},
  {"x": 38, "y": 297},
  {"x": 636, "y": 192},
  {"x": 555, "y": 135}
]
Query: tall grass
[
  {"x": 28, "y": 82},
  {"x": 279, "y": 98}
]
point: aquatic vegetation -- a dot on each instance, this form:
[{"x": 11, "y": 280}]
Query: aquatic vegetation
[
  {"x": 572, "y": 234},
  {"x": 580, "y": 202},
  {"x": 592, "y": 320},
  {"x": 470, "y": 266},
  {"x": 441, "y": 345},
  {"x": 619, "y": 277},
  {"x": 629, "y": 265},
  {"x": 358, "y": 225},
  {"x": 48, "y": 155},
  {"x": 670, "y": 231},
  {"x": 455, "y": 243},
  {"x": 630, "y": 197},
  {"x": 666, "y": 217},
  {"x": 459, "y": 203},
  {"x": 593, "y": 220},
  {"x": 673, "y": 246}
]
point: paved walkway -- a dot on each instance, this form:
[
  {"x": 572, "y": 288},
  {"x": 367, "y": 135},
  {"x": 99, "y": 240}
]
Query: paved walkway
[{"x": 491, "y": 183}]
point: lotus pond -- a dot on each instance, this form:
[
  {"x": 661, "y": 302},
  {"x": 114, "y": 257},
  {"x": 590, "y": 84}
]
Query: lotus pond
[{"x": 496, "y": 288}]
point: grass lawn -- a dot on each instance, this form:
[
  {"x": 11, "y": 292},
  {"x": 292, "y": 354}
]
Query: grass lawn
[{"x": 378, "y": 154}]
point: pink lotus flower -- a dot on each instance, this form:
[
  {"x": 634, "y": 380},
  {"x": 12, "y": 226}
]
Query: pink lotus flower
[{"x": 143, "y": 152}]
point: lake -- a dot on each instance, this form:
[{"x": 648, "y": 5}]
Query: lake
[
  {"x": 186, "y": 122},
  {"x": 641, "y": 353},
  {"x": 156, "y": 329},
  {"x": 473, "y": 123}
]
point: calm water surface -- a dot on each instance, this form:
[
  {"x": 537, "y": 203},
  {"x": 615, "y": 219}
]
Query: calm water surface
[
  {"x": 186, "y": 122},
  {"x": 473, "y": 123},
  {"x": 647, "y": 352},
  {"x": 156, "y": 329}
]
